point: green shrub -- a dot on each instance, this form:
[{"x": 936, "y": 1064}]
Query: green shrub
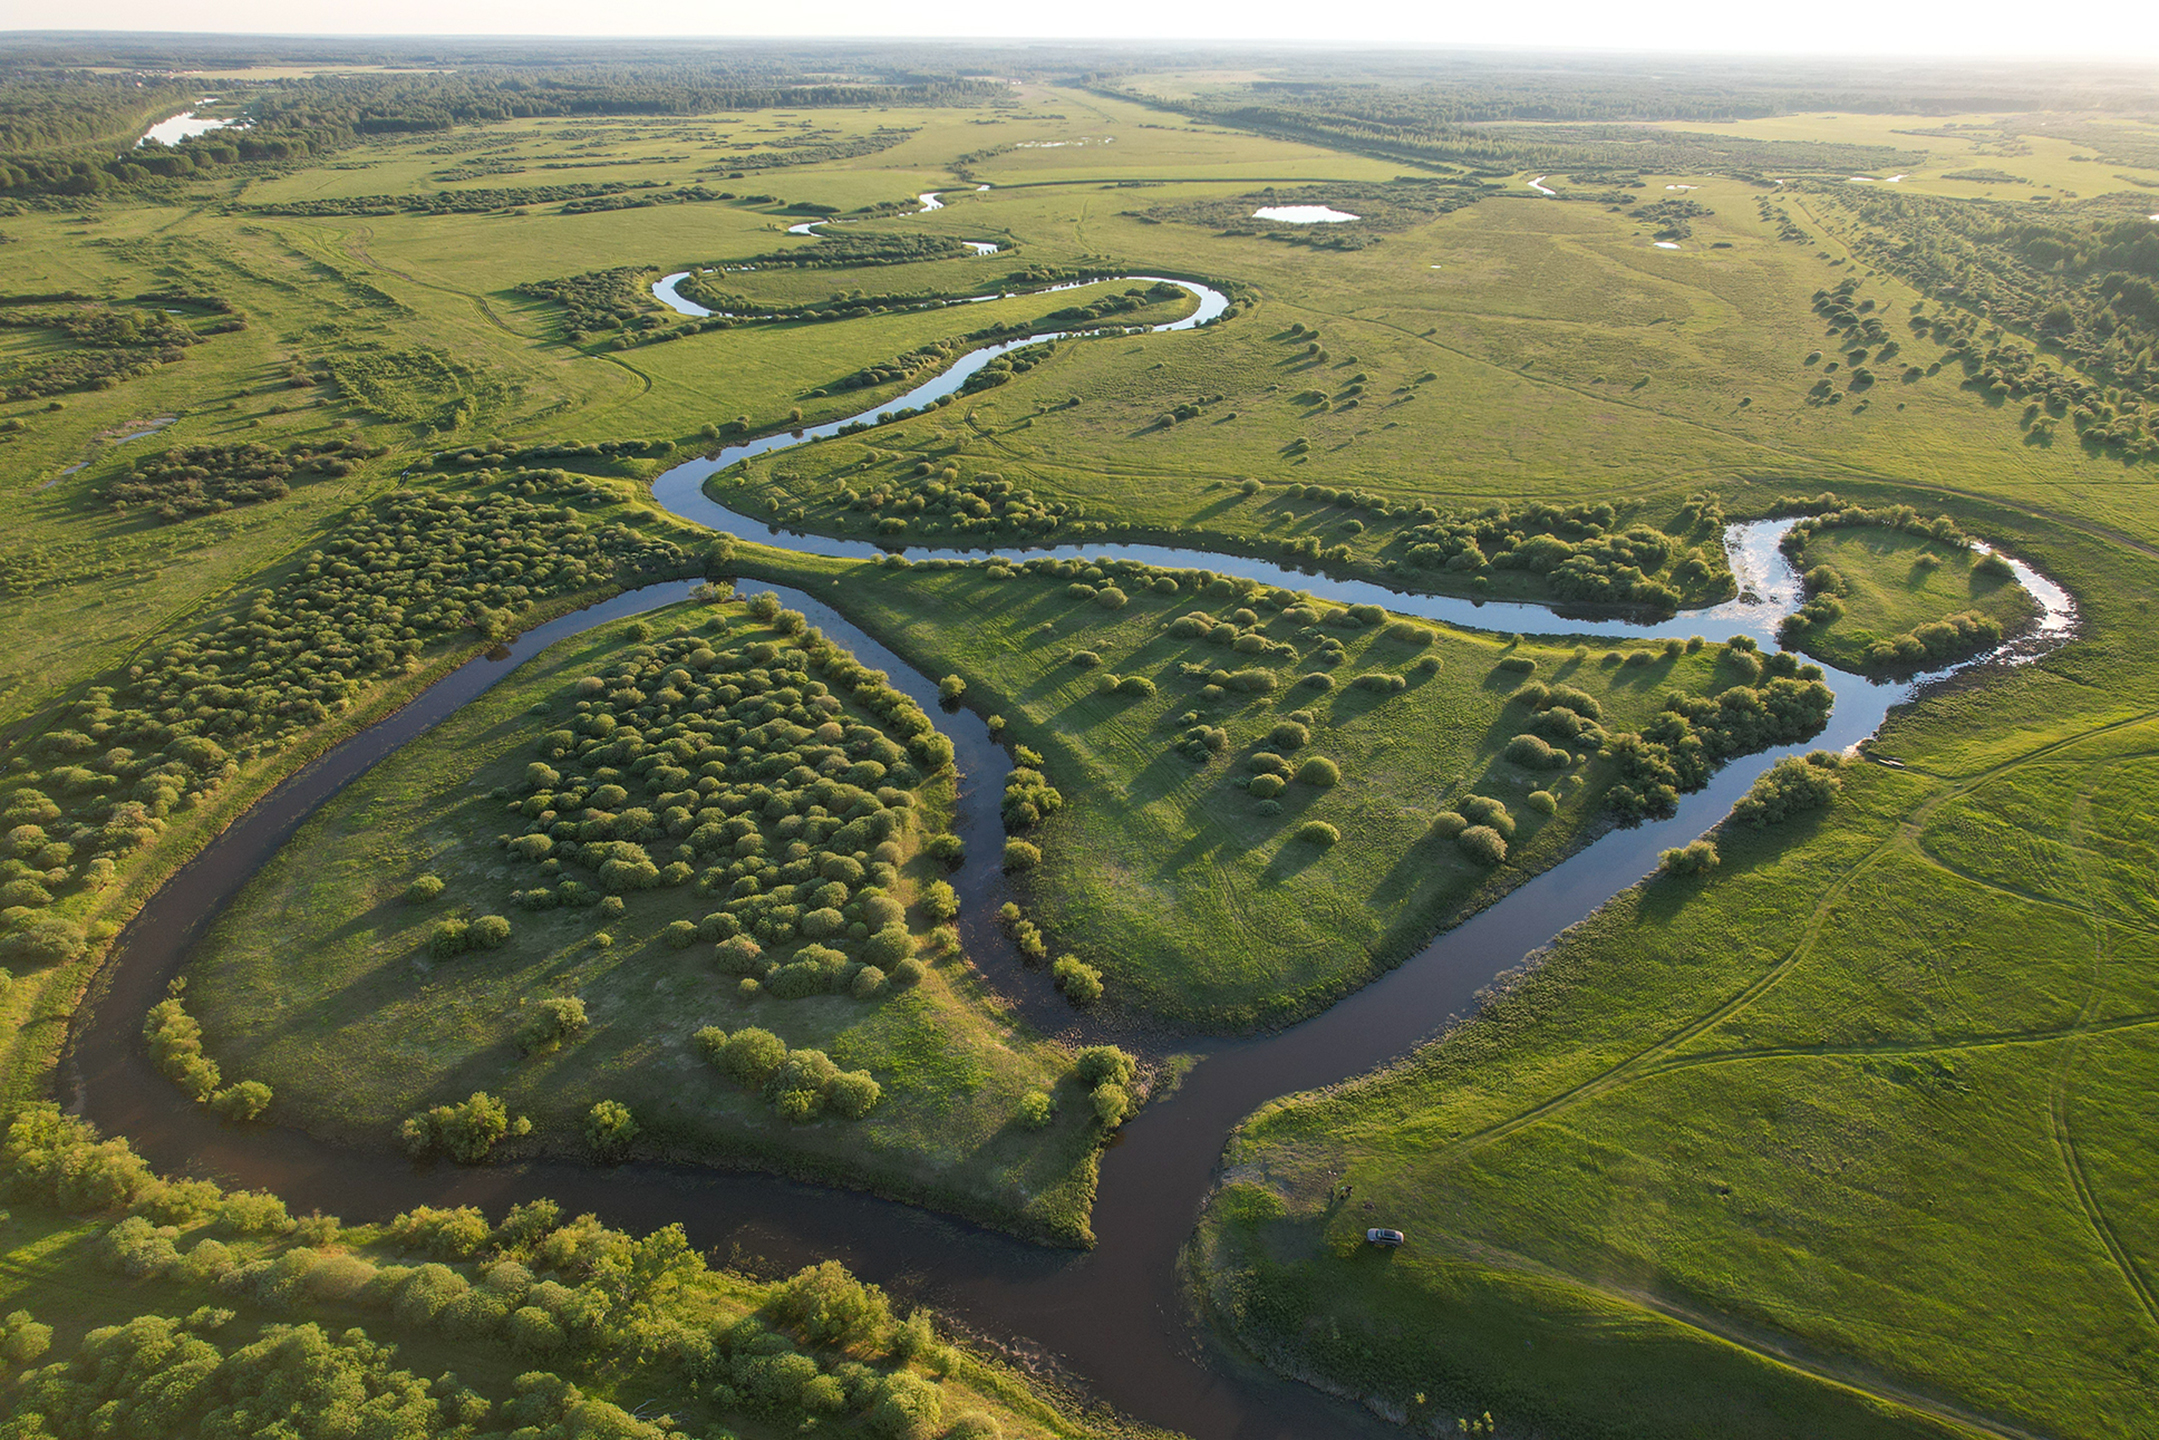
[
  {"x": 609, "y": 1129},
  {"x": 1533, "y": 753},
  {"x": 1099, "y": 1063},
  {"x": 1036, "y": 1109},
  {"x": 951, "y": 688},
  {"x": 1319, "y": 771},
  {"x": 1266, "y": 787},
  {"x": 1519, "y": 664},
  {"x": 1318, "y": 832},
  {"x": 1019, "y": 855},
  {"x": 489, "y": 932},
  {"x": 853, "y": 1093},
  {"x": 467, "y": 1131},
  {"x": 243, "y": 1102},
  {"x": 1695, "y": 858},
  {"x": 1484, "y": 810},
  {"x": 1544, "y": 802},
  {"x": 1288, "y": 735},
  {"x": 1483, "y": 844},
  {"x": 1112, "y": 1105},
  {"x": 423, "y": 889},
  {"x": 752, "y": 1055},
  {"x": 1081, "y": 982},
  {"x": 553, "y": 1022},
  {"x": 679, "y": 934},
  {"x": 1449, "y": 824},
  {"x": 450, "y": 937},
  {"x": 1791, "y": 787}
]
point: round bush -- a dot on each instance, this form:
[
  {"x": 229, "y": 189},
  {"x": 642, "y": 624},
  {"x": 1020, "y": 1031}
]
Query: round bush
[
  {"x": 869, "y": 980},
  {"x": 1288, "y": 735},
  {"x": 1266, "y": 787},
  {"x": 489, "y": 932},
  {"x": 853, "y": 1094},
  {"x": 1019, "y": 855},
  {"x": 1319, "y": 771},
  {"x": 907, "y": 973},
  {"x": 1482, "y": 844},
  {"x": 609, "y": 1129},
  {"x": 1036, "y": 1109},
  {"x": 1318, "y": 680},
  {"x": 1544, "y": 802},
  {"x": 423, "y": 889},
  {"x": 1519, "y": 664},
  {"x": 1318, "y": 832}
]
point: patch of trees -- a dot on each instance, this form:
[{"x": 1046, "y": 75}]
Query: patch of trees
[
  {"x": 200, "y": 479},
  {"x": 175, "y": 1040},
  {"x": 404, "y": 576},
  {"x": 2079, "y": 282},
  {"x": 779, "y": 774},
  {"x": 595, "y": 194},
  {"x": 816, "y": 150},
  {"x": 1582, "y": 551},
  {"x": 1673, "y": 219},
  {"x": 110, "y": 344},
  {"x": 537, "y": 1289},
  {"x": 599, "y": 302},
  {"x": 802, "y": 1085},
  {"x": 1380, "y": 207},
  {"x": 1792, "y": 786},
  {"x": 850, "y": 250},
  {"x": 1462, "y": 125},
  {"x": 1779, "y": 702},
  {"x": 502, "y": 452},
  {"x": 467, "y": 1131}
]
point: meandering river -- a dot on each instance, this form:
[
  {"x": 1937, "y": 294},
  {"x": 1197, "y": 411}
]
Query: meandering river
[{"x": 1114, "y": 1317}]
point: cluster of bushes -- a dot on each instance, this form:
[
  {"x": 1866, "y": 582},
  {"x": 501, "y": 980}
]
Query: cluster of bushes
[
  {"x": 786, "y": 796},
  {"x": 1480, "y": 825},
  {"x": 553, "y": 1023},
  {"x": 109, "y": 345},
  {"x": 175, "y": 1040},
  {"x": 407, "y": 574},
  {"x": 2077, "y": 280},
  {"x": 1582, "y": 551},
  {"x": 464, "y": 202},
  {"x": 1696, "y": 857},
  {"x": 801, "y": 1084},
  {"x": 1673, "y": 219},
  {"x": 1781, "y": 703},
  {"x": 937, "y": 496},
  {"x": 600, "y": 302},
  {"x": 819, "y": 1348},
  {"x": 456, "y": 935},
  {"x": 467, "y": 1132},
  {"x": 1107, "y": 1073},
  {"x": 502, "y": 452},
  {"x": 200, "y": 479},
  {"x": 1827, "y": 512},
  {"x": 1029, "y": 797},
  {"x": 1792, "y": 786}
]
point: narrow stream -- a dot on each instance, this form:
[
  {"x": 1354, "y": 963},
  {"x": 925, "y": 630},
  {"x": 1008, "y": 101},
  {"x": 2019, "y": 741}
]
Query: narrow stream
[{"x": 1113, "y": 1317}]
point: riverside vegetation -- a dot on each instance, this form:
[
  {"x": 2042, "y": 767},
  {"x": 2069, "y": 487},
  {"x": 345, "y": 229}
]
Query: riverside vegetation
[{"x": 298, "y": 415}]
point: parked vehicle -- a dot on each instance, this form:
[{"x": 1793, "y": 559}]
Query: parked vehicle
[{"x": 1388, "y": 1238}]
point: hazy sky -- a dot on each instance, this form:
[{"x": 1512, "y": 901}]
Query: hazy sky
[{"x": 2101, "y": 29}]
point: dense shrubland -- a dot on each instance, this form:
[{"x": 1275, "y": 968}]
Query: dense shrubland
[
  {"x": 399, "y": 579},
  {"x": 175, "y": 1040},
  {"x": 1792, "y": 786},
  {"x": 2074, "y": 281},
  {"x": 201, "y": 479},
  {"x": 108, "y": 344},
  {"x": 219, "y": 1314}
]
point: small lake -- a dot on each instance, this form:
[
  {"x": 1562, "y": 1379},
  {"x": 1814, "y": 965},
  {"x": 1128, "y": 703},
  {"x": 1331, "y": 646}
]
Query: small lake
[
  {"x": 1303, "y": 214},
  {"x": 187, "y": 125}
]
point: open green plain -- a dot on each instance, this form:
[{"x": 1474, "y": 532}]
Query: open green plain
[{"x": 1846, "y": 1137}]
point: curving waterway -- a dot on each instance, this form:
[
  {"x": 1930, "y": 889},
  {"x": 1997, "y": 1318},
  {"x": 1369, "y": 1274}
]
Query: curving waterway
[{"x": 1114, "y": 1317}]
